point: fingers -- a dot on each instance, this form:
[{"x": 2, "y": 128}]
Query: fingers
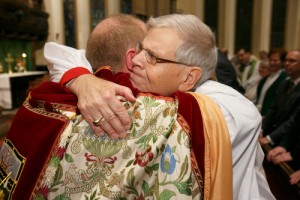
[
  {"x": 277, "y": 159},
  {"x": 295, "y": 177},
  {"x": 98, "y": 97},
  {"x": 125, "y": 92},
  {"x": 275, "y": 152},
  {"x": 260, "y": 134},
  {"x": 282, "y": 157},
  {"x": 97, "y": 130},
  {"x": 117, "y": 120},
  {"x": 263, "y": 140},
  {"x": 270, "y": 155}
]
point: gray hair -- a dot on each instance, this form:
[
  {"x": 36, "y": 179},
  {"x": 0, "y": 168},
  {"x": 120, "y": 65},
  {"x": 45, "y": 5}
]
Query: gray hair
[{"x": 199, "y": 43}]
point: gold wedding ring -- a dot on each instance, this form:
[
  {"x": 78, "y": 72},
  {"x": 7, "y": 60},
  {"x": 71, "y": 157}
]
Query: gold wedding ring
[{"x": 97, "y": 121}]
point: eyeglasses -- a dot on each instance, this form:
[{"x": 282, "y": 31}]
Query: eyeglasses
[
  {"x": 152, "y": 58},
  {"x": 292, "y": 61}
]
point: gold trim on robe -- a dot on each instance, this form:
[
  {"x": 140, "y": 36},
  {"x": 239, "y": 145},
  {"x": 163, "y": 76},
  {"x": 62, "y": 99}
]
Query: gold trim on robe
[{"x": 218, "y": 151}]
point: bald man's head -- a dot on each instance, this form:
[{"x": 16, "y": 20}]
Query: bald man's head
[{"x": 111, "y": 38}]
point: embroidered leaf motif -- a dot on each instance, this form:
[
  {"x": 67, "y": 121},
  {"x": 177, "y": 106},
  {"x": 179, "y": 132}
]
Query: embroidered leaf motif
[
  {"x": 150, "y": 102},
  {"x": 155, "y": 104},
  {"x": 145, "y": 187},
  {"x": 174, "y": 149},
  {"x": 155, "y": 167},
  {"x": 144, "y": 139},
  {"x": 169, "y": 128},
  {"x": 184, "y": 168},
  {"x": 149, "y": 170},
  {"x": 157, "y": 150},
  {"x": 57, "y": 178},
  {"x": 129, "y": 163},
  {"x": 133, "y": 131},
  {"x": 166, "y": 112},
  {"x": 154, "y": 138},
  {"x": 172, "y": 112},
  {"x": 166, "y": 195},
  {"x": 126, "y": 152},
  {"x": 92, "y": 197},
  {"x": 102, "y": 148},
  {"x": 68, "y": 158},
  {"x": 62, "y": 197},
  {"x": 137, "y": 124},
  {"x": 184, "y": 187},
  {"x": 53, "y": 190},
  {"x": 179, "y": 136},
  {"x": 39, "y": 197},
  {"x": 130, "y": 178}
]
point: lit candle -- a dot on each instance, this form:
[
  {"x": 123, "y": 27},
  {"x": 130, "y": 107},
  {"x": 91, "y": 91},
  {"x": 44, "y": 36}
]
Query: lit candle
[{"x": 24, "y": 61}]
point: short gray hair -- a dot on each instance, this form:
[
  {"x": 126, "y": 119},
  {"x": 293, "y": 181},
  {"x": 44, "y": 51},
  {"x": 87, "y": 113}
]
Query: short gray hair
[{"x": 199, "y": 43}]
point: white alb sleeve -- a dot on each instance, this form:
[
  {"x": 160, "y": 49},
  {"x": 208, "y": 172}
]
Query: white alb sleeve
[{"x": 62, "y": 58}]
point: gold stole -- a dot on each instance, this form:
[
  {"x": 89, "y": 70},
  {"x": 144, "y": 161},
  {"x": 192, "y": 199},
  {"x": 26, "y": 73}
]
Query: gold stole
[{"x": 218, "y": 151}]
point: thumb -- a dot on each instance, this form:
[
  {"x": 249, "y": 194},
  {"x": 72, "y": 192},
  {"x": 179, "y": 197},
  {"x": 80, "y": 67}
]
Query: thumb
[{"x": 125, "y": 92}]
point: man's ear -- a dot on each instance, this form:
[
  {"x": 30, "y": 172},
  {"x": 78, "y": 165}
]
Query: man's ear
[
  {"x": 193, "y": 75},
  {"x": 130, "y": 53}
]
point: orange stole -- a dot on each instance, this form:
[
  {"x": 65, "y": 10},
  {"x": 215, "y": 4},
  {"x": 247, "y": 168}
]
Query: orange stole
[{"x": 218, "y": 151}]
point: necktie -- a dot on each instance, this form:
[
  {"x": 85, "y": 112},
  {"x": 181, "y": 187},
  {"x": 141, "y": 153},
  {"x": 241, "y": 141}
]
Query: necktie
[{"x": 290, "y": 87}]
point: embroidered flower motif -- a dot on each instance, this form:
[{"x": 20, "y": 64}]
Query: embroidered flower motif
[
  {"x": 96, "y": 159},
  {"x": 168, "y": 162},
  {"x": 44, "y": 191},
  {"x": 61, "y": 152},
  {"x": 143, "y": 157},
  {"x": 137, "y": 115}
]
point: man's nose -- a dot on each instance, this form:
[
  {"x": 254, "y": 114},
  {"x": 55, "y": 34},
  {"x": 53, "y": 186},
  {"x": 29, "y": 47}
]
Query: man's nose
[{"x": 137, "y": 60}]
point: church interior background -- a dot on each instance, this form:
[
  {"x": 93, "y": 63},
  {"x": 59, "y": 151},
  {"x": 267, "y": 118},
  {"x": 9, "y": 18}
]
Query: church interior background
[{"x": 26, "y": 25}]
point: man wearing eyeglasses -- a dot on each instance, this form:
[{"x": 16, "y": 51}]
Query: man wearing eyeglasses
[
  {"x": 155, "y": 56},
  {"x": 280, "y": 117},
  {"x": 156, "y": 158}
]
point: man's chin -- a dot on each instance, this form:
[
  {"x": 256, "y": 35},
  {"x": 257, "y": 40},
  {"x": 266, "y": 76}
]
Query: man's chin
[
  {"x": 137, "y": 84},
  {"x": 133, "y": 82}
]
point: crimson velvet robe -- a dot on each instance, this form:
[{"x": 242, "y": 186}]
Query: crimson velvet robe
[{"x": 35, "y": 130}]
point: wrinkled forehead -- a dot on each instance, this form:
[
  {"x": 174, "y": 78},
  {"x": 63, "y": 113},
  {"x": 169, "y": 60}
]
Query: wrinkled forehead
[
  {"x": 162, "y": 40},
  {"x": 293, "y": 54}
]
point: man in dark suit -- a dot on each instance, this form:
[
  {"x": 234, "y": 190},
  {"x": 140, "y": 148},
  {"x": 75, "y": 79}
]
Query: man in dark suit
[
  {"x": 289, "y": 148},
  {"x": 267, "y": 87},
  {"x": 226, "y": 73},
  {"x": 280, "y": 117}
]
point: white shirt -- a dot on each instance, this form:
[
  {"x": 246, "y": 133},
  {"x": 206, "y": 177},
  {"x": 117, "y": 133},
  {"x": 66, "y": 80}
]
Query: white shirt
[
  {"x": 242, "y": 117},
  {"x": 244, "y": 124},
  {"x": 270, "y": 80},
  {"x": 250, "y": 84},
  {"x": 61, "y": 58}
]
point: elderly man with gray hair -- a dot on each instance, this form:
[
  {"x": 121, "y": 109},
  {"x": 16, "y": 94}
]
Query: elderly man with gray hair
[{"x": 157, "y": 54}]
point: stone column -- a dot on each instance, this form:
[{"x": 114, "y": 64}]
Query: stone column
[
  {"x": 261, "y": 25},
  {"x": 163, "y": 7},
  {"x": 56, "y": 27},
  {"x": 56, "y": 21},
  {"x": 83, "y": 23},
  {"x": 292, "y": 29},
  {"x": 112, "y": 7},
  {"x": 226, "y": 25},
  {"x": 139, "y": 7},
  {"x": 195, "y": 7}
]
